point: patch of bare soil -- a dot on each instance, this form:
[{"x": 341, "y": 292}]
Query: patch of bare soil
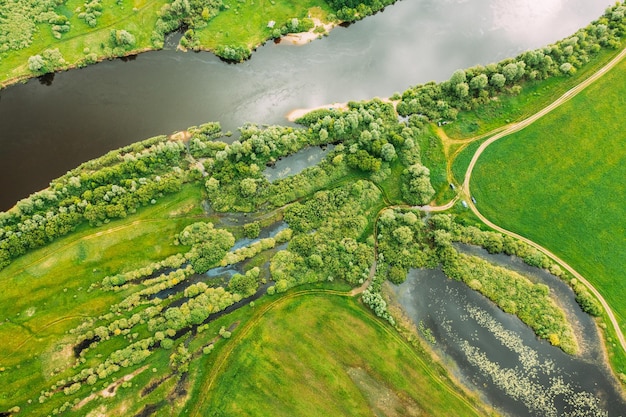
[
  {"x": 111, "y": 389},
  {"x": 382, "y": 400}
]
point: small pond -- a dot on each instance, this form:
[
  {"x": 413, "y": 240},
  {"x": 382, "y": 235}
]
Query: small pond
[
  {"x": 296, "y": 162},
  {"x": 495, "y": 354}
]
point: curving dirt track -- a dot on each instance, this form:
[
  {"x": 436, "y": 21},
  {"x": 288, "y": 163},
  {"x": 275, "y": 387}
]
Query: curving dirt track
[{"x": 519, "y": 126}]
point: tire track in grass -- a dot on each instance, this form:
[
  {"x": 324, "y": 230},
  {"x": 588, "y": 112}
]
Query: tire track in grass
[{"x": 217, "y": 367}]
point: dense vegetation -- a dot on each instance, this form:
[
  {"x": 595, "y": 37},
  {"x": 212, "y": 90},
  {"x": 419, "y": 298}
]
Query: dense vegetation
[{"x": 166, "y": 247}]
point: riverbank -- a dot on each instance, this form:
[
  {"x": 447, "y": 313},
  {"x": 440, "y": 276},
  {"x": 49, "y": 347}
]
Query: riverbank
[
  {"x": 316, "y": 32},
  {"x": 233, "y": 27},
  {"x": 295, "y": 114}
]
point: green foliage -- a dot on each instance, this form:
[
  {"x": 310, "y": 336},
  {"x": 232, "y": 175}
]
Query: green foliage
[
  {"x": 245, "y": 285},
  {"x": 48, "y": 61},
  {"x": 208, "y": 245},
  {"x": 416, "y": 187},
  {"x": 572, "y": 165},
  {"x": 325, "y": 243},
  {"x": 234, "y": 53},
  {"x": 516, "y": 295},
  {"x": 122, "y": 38},
  {"x": 350, "y": 10},
  {"x": 92, "y": 10},
  {"x": 252, "y": 230}
]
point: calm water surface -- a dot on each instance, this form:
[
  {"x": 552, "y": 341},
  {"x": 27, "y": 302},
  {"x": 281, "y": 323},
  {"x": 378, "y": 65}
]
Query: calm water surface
[
  {"x": 46, "y": 130},
  {"x": 501, "y": 358}
]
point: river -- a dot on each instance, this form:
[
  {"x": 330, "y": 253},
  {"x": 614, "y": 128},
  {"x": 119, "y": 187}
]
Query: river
[{"x": 46, "y": 130}]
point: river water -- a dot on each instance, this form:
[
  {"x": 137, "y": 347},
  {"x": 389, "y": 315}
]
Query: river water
[
  {"x": 46, "y": 130},
  {"x": 500, "y": 357}
]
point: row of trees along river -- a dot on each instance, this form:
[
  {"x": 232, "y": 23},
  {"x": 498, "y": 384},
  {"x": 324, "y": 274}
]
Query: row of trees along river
[{"x": 51, "y": 125}]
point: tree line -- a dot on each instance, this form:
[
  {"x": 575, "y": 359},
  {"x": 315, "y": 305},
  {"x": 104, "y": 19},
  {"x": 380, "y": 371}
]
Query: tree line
[{"x": 472, "y": 87}]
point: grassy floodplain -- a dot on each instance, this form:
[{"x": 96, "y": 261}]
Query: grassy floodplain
[
  {"x": 334, "y": 372},
  {"x": 559, "y": 182},
  {"x": 136, "y": 16},
  {"x": 227, "y": 28},
  {"x": 46, "y": 293},
  {"x": 83, "y": 44}
]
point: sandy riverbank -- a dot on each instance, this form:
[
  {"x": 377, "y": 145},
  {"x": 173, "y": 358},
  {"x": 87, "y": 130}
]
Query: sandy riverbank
[
  {"x": 293, "y": 115},
  {"x": 305, "y": 37}
]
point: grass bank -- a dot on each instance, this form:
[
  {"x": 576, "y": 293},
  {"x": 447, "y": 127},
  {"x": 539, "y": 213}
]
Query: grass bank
[
  {"x": 239, "y": 23},
  {"x": 534, "y": 96},
  {"x": 46, "y": 292},
  {"x": 312, "y": 355},
  {"x": 559, "y": 183}
]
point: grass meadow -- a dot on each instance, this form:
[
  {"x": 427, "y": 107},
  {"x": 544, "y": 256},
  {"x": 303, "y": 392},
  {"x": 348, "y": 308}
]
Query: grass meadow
[
  {"x": 324, "y": 354},
  {"x": 136, "y": 16},
  {"x": 45, "y": 293},
  {"x": 560, "y": 182},
  {"x": 139, "y": 18},
  {"x": 245, "y": 22}
]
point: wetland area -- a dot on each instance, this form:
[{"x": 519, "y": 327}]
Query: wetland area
[{"x": 54, "y": 123}]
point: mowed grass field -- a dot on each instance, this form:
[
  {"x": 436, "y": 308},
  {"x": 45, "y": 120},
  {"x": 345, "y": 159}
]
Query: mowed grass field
[
  {"x": 560, "y": 182},
  {"x": 326, "y": 355}
]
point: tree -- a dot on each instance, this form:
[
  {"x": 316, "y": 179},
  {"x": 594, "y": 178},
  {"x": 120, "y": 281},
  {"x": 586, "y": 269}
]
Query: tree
[
  {"x": 248, "y": 187},
  {"x": 252, "y": 230},
  {"x": 513, "y": 71},
  {"x": 388, "y": 152},
  {"x": 458, "y": 77},
  {"x": 36, "y": 63},
  {"x": 403, "y": 235},
  {"x": 567, "y": 68},
  {"x": 122, "y": 38},
  {"x": 244, "y": 284},
  {"x": 479, "y": 82},
  {"x": 461, "y": 90},
  {"x": 497, "y": 80},
  {"x": 416, "y": 188}
]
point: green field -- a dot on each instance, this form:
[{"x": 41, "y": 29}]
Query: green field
[
  {"x": 560, "y": 183},
  {"x": 313, "y": 355},
  {"x": 246, "y": 22},
  {"x": 46, "y": 293},
  {"x": 83, "y": 44},
  {"x": 136, "y": 16}
]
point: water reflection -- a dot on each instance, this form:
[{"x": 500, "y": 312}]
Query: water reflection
[
  {"x": 84, "y": 113},
  {"x": 296, "y": 163},
  {"x": 497, "y": 355}
]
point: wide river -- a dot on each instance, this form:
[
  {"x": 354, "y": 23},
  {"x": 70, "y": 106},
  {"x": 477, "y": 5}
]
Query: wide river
[{"x": 46, "y": 130}]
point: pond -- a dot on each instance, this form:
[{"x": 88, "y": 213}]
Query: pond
[
  {"x": 297, "y": 162},
  {"x": 48, "y": 129},
  {"x": 495, "y": 354}
]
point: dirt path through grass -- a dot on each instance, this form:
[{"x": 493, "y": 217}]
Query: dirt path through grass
[{"x": 515, "y": 127}]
